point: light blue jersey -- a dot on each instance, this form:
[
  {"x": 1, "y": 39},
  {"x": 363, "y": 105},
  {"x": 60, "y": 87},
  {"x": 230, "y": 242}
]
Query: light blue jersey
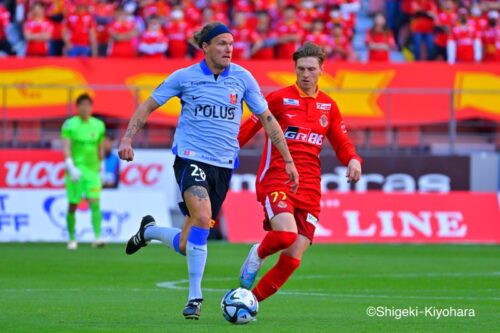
[{"x": 211, "y": 111}]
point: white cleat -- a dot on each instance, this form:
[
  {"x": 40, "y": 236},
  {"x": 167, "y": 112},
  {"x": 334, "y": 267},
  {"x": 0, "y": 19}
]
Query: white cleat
[
  {"x": 98, "y": 243},
  {"x": 250, "y": 268},
  {"x": 72, "y": 245}
]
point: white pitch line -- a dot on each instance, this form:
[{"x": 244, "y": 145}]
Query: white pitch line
[{"x": 177, "y": 285}]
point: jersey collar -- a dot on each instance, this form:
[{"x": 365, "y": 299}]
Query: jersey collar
[
  {"x": 303, "y": 94},
  {"x": 207, "y": 71}
]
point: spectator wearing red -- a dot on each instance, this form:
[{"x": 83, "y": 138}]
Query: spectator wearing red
[
  {"x": 5, "y": 48},
  {"x": 446, "y": 19},
  {"x": 379, "y": 40},
  {"x": 290, "y": 33},
  {"x": 317, "y": 35},
  {"x": 153, "y": 42},
  {"x": 244, "y": 37},
  {"x": 54, "y": 12},
  {"x": 153, "y": 7},
  {"x": 464, "y": 44},
  {"x": 79, "y": 32},
  {"x": 480, "y": 21},
  {"x": 264, "y": 50},
  {"x": 122, "y": 35},
  {"x": 335, "y": 16},
  {"x": 191, "y": 12},
  {"x": 422, "y": 27},
  {"x": 308, "y": 13},
  {"x": 491, "y": 38},
  {"x": 37, "y": 32},
  {"x": 208, "y": 16},
  {"x": 104, "y": 13},
  {"x": 177, "y": 32},
  {"x": 340, "y": 46}
]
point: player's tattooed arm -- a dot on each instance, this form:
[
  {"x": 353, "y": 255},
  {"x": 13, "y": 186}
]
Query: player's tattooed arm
[
  {"x": 140, "y": 117},
  {"x": 275, "y": 134}
]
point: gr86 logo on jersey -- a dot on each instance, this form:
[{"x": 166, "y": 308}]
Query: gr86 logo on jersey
[{"x": 304, "y": 135}]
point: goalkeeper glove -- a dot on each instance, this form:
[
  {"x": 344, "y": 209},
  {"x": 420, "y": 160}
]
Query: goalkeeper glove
[{"x": 74, "y": 172}]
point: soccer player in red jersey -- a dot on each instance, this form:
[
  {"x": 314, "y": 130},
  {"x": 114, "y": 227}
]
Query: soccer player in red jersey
[
  {"x": 307, "y": 116},
  {"x": 37, "y": 32}
]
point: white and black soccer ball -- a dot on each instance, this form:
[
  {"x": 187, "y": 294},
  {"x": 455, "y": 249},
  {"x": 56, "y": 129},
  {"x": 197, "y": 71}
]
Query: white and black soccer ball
[{"x": 239, "y": 306}]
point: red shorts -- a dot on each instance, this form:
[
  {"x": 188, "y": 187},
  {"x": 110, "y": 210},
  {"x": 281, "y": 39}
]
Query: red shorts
[{"x": 276, "y": 202}]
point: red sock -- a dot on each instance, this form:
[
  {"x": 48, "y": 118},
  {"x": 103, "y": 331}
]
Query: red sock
[
  {"x": 275, "y": 241},
  {"x": 276, "y": 277}
]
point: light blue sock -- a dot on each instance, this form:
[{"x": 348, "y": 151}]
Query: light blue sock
[
  {"x": 196, "y": 251},
  {"x": 168, "y": 236}
]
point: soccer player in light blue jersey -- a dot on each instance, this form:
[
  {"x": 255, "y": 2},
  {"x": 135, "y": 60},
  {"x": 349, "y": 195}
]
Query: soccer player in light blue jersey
[{"x": 205, "y": 145}]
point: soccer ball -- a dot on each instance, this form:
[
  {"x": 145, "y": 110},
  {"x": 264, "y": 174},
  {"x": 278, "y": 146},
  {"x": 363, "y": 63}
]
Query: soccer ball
[{"x": 239, "y": 306}]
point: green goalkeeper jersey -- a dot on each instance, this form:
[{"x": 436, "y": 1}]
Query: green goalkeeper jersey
[{"x": 85, "y": 138}]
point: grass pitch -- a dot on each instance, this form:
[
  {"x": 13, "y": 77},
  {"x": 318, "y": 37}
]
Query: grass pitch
[{"x": 45, "y": 288}]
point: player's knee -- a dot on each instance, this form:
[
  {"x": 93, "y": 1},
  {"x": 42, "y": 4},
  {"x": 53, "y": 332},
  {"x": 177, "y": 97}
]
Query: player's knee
[{"x": 201, "y": 220}]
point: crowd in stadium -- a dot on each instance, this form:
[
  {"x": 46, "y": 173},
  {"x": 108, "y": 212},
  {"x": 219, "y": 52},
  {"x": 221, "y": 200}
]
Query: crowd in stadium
[{"x": 453, "y": 30}]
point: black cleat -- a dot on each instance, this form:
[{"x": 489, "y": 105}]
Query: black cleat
[
  {"x": 137, "y": 241},
  {"x": 192, "y": 309}
]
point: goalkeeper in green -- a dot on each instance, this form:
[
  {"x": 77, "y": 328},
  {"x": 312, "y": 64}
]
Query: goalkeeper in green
[{"x": 82, "y": 136}]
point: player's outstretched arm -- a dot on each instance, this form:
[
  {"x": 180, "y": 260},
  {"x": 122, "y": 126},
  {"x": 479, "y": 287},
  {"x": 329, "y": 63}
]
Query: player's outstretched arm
[
  {"x": 248, "y": 129},
  {"x": 275, "y": 133},
  {"x": 137, "y": 121}
]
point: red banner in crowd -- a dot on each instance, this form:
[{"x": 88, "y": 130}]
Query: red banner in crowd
[
  {"x": 376, "y": 217},
  {"x": 368, "y": 94}
]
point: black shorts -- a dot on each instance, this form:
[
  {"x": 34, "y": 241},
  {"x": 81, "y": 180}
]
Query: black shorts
[{"x": 193, "y": 173}]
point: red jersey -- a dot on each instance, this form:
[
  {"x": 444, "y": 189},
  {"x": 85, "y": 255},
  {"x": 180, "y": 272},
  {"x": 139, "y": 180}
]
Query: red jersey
[
  {"x": 321, "y": 39},
  {"x": 177, "y": 33},
  {"x": 491, "y": 43},
  {"x": 446, "y": 20},
  {"x": 243, "y": 40},
  {"x": 79, "y": 27},
  {"x": 4, "y": 21},
  {"x": 422, "y": 22},
  {"x": 37, "y": 47},
  {"x": 122, "y": 48},
  {"x": 55, "y": 13},
  {"x": 379, "y": 37},
  {"x": 464, "y": 35},
  {"x": 284, "y": 50},
  {"x": 104, "y": 13},
  {"x": 306, "y": 122},
  {"x": 266, "y": 52},
  {"x": 153, "y": 44},
  {"x": 340, "y": 48}
]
